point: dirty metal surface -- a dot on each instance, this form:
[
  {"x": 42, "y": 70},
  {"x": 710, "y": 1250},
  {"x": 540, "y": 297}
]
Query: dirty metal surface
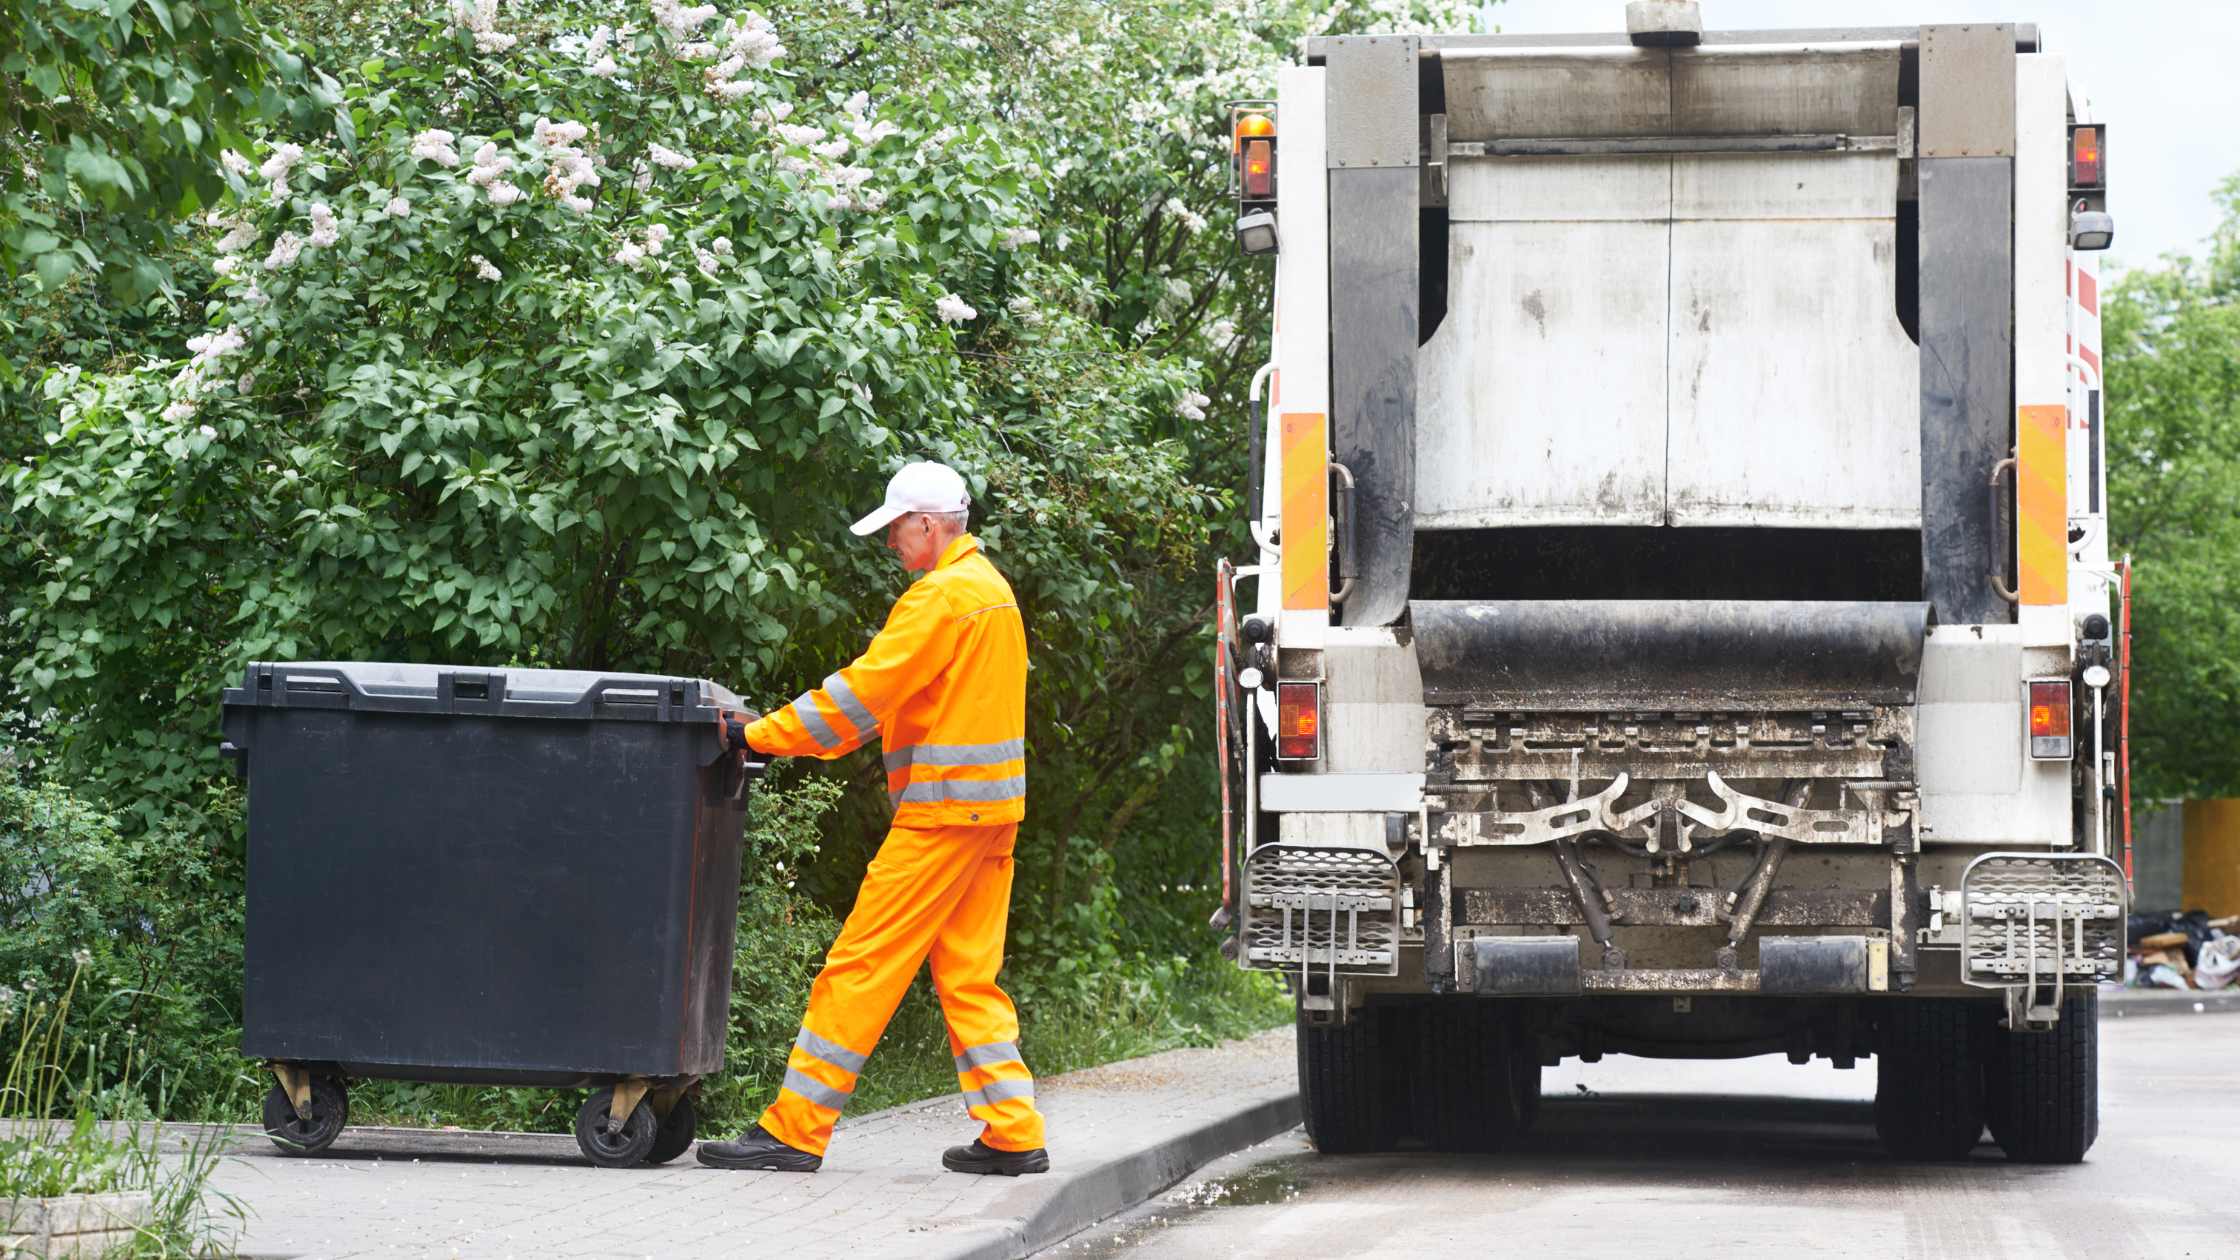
[
  {"x": 1473, "y": 745},
  {"x": 1665, "y": 655},
  {"x": 1671, "y": 907}
]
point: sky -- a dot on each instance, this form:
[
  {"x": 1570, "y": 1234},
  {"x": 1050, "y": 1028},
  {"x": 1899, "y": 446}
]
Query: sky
[{"x": 2160, "y": 74}]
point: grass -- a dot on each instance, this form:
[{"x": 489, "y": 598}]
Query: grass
[{"x": 65, "y": 1133}]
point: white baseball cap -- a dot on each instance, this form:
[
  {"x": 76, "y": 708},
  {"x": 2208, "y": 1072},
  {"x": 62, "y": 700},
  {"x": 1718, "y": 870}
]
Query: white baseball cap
[{"x": 921, "y": 487}]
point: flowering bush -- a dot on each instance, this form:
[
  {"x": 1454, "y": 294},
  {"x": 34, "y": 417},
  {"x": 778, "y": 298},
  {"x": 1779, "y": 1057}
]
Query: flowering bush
[{"x": 576, "y": 334}]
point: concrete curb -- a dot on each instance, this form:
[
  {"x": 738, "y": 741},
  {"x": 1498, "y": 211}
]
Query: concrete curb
[
  {"x": 2131, "y": 1003},
  {"x": 1049, "y": 1209}
]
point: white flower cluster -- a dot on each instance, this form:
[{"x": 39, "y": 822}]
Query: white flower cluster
[
  {"x": 747, "y": 42},
  {"x": 668, "y": 158},
  {"x": 490, "y": 167},
  {"x": 397, "y": 208},
  {"x": 284, "y": 252},
  {"x": 1024, "y": 308},
  {"x": 598, "y": 63},
  {"x": 1222, "y": 332},
  {"x": 434, "y": 145},
  {"x": 1192, "y": 406},
  {"x": 187, "y": 384},
  {"x": 481, "y": 17},
  {"x": 484, "y": 268},
  {"x": 325, "y": 228},
  {"x": 634, "y": 254},
  {"x": 236, "y": 163},
  {"x": 953, "y": 309},
  {"x": 680, "y": 20},
  {"x": 1021, "y": 237},
  {"x": 572, "y": 169},
  {"x": 277, "y": 164},
  {"x": 1191, "y": 220},
  {"x": 241, "y": 237}
]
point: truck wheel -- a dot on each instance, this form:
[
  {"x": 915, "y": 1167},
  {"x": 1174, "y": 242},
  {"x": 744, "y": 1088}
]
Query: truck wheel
[
  {"x": 2044, "y": 1087},
  {"x": 1525, "y": 1072},
  {"x": 1465, "y": 1082},
  {"x": 1341, "y": 1076},
  {"x": 1928, "y": 1096},
  {"x": 622, "y": 1148},
  {"x": 294, "y": 1135}
]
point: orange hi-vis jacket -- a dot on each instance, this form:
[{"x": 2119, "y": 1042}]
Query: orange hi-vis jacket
[{"x": 945, "y": 684}]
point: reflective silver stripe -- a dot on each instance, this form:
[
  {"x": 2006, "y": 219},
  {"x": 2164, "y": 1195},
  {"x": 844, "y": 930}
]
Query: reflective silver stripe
[
  {"x": 989, "y": 609},
  {"x": 831, "y": 1052},
  {"x": 984, "y": 1056},
  {"x": 805, "y": 708},
  {"x": 850, "y": 707},
  {"x": 817, "y": 1091},
  {"x": 998, "y": 1091},
  {"x": 966, "y": 790},
  {"x": 994, "y": 754}
]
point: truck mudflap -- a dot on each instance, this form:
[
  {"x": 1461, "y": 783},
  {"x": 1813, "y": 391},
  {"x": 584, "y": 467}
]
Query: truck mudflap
[
  {"x": 2033, "y": 924},
  {"x": 1620, "y": 655}
]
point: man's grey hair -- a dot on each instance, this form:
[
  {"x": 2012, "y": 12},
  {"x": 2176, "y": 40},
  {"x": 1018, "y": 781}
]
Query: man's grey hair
[{"x": 951, "y": 520}]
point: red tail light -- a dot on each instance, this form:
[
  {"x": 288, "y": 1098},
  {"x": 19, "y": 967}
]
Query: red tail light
[
  {"x": 1259, "y": 170},
  {"x": 2086, "y": 164},
  {"x": 2050, "y": 709},
  {"x": 1298, "y": 721}
]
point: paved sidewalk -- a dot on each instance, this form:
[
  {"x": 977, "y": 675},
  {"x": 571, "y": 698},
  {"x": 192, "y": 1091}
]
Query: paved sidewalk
[
  {"x": 1118, "y": 1134},
  {"x": 2117, "y": 1002}
]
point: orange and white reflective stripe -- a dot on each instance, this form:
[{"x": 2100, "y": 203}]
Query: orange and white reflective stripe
[
  {"x": 1306, "y": 512},
  {"x": 822, "y": 1071},
  {"x": 2041, "y": 503},
  {"x": 993, "y": 1073},
  {"x": 974, "y": 773}
]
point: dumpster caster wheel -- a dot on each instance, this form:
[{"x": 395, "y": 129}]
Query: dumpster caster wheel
[
  {"x": 294, "y": 1135},
  {"x": 674, "y": 1137},
  {"x": 609, "y": 1148}
]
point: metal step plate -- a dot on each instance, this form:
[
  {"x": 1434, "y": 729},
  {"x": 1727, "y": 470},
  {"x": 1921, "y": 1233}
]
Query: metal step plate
[
  {"x": 2038, "y": 918},
  {"x": 1333, "y": 911}
]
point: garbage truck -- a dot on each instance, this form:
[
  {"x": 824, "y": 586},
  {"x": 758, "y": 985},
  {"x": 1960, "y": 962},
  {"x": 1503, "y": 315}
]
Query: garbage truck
[{"x": 1679, "y": 618}]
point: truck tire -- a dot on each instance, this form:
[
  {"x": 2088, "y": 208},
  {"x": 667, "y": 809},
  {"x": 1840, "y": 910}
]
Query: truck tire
[
  {"x": 2044, "y": 1087},
  {"x": 1341, "y": 1085},
  {"x": 1463, "y": 1091},
  {"x": 1928, "y": 1097},
  {"x": 1527, "y": 1078}
]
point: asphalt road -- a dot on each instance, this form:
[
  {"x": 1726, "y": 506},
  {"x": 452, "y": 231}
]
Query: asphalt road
[{"x": 1641, "y": 1158}]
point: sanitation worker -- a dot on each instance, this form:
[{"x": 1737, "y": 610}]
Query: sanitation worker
[{"x": 944, "y": 688}]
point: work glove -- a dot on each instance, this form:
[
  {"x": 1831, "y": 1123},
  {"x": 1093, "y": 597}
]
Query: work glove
[{"x": 732, "y": 723}]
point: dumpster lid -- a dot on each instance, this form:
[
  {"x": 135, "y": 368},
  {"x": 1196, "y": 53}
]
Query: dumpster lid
[{"x": 401, "y": 687}]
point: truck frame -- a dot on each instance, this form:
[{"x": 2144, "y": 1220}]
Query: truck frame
[{"x": 1682, "y": 622}]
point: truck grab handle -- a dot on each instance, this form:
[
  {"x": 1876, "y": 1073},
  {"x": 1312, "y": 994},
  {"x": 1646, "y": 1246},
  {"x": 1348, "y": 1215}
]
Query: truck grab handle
[{"x": 2000, "y": 535}]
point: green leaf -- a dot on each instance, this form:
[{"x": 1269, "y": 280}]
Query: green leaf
[{"x": 98, "y": 170}]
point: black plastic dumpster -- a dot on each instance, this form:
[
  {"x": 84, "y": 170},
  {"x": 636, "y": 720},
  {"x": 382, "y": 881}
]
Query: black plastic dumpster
[{"x": 488, "y": 876}]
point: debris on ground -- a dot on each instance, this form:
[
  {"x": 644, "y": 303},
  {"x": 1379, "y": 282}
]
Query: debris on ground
[{"x": 2182, "y": 950}]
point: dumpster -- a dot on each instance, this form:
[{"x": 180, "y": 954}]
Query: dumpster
[{"x": 488, "y": 876}]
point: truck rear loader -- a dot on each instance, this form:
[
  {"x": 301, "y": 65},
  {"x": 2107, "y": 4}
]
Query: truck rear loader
[{"x": 1682, "y": 621}]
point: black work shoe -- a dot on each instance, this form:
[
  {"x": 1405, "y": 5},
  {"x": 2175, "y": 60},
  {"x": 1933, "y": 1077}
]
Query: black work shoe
[
  {"x": 983, "y": 1158},
  {"x": 757, "y": 1150}
]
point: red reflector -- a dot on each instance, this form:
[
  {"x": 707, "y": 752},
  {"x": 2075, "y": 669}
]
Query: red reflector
[
  {"x": 2084, "y": 158},
  {"x": 1259, "y": 170},
  {"x": 1298, "y": 721},
  {"x": 2050, "y": 710}
]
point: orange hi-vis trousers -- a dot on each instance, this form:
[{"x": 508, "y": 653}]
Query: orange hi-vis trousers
[{"x": 933, "y": 894}]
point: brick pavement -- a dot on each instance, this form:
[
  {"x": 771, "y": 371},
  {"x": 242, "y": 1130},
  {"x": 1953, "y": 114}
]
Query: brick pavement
[{"x": 1118, "y": 1134}]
